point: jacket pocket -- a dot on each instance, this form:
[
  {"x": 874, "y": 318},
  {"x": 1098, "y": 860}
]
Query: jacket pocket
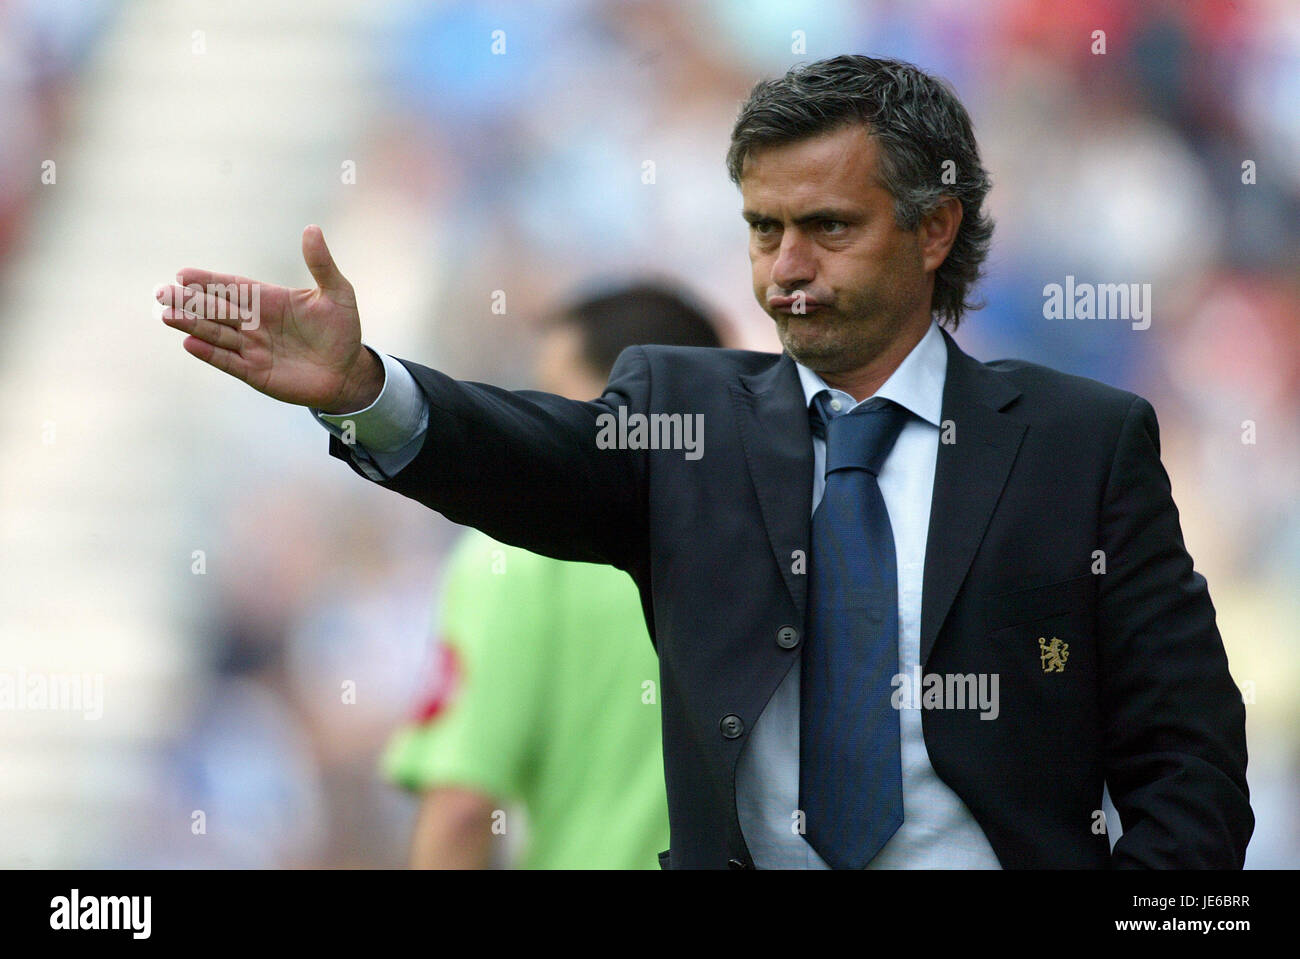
[{"x": 1022, "y": 606}]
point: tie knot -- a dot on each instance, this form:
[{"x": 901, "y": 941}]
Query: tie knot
[{"x": 860, "y": 439}]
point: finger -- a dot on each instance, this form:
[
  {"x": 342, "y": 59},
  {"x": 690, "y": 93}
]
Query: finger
[
  {"x": 188, "y": 275},
  {"x": 222, "y": 359},
  {"x": 210, "y": 331},
  {"x": 317, "y": 257},
  {"x": 210, "y": 305}
]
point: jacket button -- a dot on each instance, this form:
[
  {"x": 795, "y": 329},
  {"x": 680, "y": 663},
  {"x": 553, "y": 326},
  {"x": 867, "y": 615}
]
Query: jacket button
[
  {"x": 732, "y": 726},
  {"x": 787, "y": 637},
  {"x": 736, "y": 864}
]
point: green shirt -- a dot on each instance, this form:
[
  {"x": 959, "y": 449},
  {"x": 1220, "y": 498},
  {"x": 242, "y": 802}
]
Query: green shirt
[{"x": 548, "y": 695}]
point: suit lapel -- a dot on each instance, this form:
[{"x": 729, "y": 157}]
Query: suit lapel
[
  {"x": 970, "y": 472},
  {"x": 773, "y": 423}
]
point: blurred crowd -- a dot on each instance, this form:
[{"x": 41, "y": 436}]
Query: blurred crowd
[
  {"x": 43, "y": 48},
  {"x": 592, "y": 148}
]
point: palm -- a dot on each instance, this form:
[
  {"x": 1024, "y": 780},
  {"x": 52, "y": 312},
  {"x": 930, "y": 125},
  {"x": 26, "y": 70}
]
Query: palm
[{"x": 300, "y": 351}]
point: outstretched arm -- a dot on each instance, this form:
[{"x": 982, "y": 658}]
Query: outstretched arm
[{"x": 525, "y": 466}]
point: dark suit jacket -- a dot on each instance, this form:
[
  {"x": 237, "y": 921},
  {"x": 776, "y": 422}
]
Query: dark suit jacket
[{"x": 1039, "y": 471}]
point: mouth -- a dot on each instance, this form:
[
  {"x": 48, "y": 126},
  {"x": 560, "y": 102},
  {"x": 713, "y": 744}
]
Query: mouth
[{"x": 794, "y": 305}]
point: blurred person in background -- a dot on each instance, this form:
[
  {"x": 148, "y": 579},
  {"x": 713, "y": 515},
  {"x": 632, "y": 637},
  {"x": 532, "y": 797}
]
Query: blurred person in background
[{"x": 532, "y": 650}]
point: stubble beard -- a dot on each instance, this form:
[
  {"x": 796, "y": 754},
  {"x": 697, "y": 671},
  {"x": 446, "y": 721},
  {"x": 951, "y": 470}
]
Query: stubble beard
[{"x": 827, "y": 342}]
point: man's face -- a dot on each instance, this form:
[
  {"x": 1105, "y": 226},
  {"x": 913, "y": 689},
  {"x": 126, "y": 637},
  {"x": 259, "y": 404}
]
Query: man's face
[{"x": 822, "y": 225}]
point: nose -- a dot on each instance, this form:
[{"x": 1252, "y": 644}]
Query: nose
[{"x": 794, "y": 265}]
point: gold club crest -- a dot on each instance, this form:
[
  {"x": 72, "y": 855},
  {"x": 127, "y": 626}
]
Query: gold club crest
[{"x": 1053, "y": 653}]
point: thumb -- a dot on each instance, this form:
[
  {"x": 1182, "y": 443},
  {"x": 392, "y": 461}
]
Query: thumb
[{"x": 317, "y": 257}]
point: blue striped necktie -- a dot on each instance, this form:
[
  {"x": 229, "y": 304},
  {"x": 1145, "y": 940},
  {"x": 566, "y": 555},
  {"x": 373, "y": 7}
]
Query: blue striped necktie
[{"x": 850, "y": 767}]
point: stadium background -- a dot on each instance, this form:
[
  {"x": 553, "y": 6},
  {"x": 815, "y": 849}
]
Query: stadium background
[{"x": 209, "y": 133}]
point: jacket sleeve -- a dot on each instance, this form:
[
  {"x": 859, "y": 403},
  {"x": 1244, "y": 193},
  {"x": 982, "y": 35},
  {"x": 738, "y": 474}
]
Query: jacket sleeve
[
  {"x": 1174, "y": 721},
  {"x": 524, "y": 466}
]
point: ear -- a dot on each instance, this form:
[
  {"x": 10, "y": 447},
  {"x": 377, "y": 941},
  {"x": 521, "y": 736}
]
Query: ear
[{"x": 937, "y": 232}]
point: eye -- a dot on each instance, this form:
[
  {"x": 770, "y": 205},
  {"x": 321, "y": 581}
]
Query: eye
[
  {"x": 762, "y": 227},
  {"x": 834, "y": 226}
]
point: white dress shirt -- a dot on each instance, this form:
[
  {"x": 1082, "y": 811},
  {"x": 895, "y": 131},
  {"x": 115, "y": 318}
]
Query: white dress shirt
[{"x": 938, "y": 831}]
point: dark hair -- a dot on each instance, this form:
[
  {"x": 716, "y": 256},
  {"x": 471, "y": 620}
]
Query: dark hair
[
  {"x": 919, "y": 124},
  {"x": 647, "y": 312}
]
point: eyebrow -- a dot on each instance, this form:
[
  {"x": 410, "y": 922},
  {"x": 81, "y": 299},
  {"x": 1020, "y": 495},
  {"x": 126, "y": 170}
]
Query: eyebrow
[{"x": 826, "y": 213}]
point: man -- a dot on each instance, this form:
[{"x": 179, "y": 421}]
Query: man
[
  {"x": 532, "y": 649},
  {"x": 1002, "y": 527}
]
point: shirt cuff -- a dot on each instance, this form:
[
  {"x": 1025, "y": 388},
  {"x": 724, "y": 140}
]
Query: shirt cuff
[
  {"x": 393, "y": 419},
  {"x": 390, "y": 431}
]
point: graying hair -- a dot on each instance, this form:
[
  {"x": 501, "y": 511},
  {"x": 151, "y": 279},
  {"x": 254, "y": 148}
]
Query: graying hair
[{"x": 918, "y": 122}]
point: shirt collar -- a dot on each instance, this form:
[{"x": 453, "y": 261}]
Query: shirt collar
[{"x": 917, "y": 384}]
